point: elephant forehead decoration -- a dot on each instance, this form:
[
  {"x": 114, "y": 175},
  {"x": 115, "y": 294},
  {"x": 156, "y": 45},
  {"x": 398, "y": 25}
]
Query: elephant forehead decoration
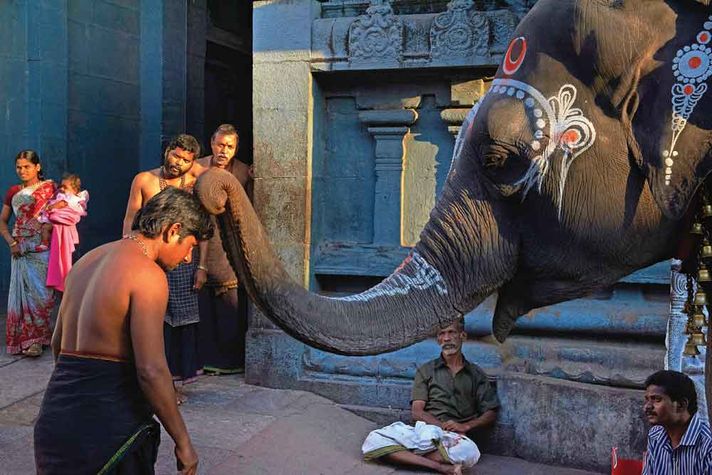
[
  {"x": 557, "y": 125},
  {"x": 415, "y": 273},
  {"x": 691, "y": 67}
]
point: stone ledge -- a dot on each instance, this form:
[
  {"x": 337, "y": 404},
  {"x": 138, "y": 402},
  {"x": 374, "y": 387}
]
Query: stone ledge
[{"x": 542, "y": 419}]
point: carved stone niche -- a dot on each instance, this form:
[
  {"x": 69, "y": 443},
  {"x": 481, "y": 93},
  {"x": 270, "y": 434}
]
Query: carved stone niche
[
  {"x": 377, "y": 36},
  {"x": 459, "y": 33}
]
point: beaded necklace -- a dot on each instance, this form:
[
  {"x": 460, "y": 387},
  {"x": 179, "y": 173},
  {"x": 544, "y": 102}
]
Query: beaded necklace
[{"x": 137, "y": 240}]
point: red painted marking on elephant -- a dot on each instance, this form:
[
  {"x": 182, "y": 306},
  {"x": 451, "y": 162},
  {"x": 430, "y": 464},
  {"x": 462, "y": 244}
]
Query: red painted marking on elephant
[
  {"x": 511, "y": 65},
  {"x": 688, "y": 90},
  {"x": 695, "y": 62},
  {"x": 570, "y": 137},
  {"x": 703, "y": 37}
]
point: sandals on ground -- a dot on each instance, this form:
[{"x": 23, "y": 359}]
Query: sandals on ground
[{"x": 33, "y": 351}]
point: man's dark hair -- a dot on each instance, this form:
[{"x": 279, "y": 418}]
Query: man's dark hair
[
  {"x": 186, "y": 142},
  {"x": 172, "y": 206},
  {"x": 677, "y": 386},
  {"x": 225, "y": 129}
]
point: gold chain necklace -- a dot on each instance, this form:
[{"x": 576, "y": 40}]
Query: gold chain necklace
[{"x": 138, "y": 241}]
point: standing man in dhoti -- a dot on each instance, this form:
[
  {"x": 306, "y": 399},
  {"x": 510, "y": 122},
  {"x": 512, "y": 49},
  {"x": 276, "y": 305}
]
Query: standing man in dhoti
[
  {"x": 111, "y": 374},
  {"x": 180, "y": 171}
]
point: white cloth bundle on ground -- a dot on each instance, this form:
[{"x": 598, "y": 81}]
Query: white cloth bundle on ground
[{"x": 421, "y": 439}]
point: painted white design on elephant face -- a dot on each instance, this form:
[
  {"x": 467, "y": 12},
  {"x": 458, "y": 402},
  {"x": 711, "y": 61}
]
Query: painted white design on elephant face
[
  {"x": 414, "y": 274},
  {"x": 691, "y": 66},
  {"x": 557, "y": 125}
]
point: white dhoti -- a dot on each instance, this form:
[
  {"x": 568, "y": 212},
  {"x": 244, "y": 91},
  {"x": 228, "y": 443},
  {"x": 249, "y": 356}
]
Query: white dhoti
[{"x": 421, "y": 439}]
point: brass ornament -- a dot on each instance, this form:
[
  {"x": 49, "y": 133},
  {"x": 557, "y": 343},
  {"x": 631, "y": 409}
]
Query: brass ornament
[
  {"x": 700, "y": 297},
  {"x": 698, "y": 339},
  {"x": 696, "y": 228},
  {"x": 706, "y": 251},
  {"x": 698, "y": 319},
  {"x": 690, "y": 348},
  {"x": 703, "y": 274}
]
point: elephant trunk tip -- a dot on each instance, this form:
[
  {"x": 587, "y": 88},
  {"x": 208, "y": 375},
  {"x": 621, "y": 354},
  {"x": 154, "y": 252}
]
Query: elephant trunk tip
[{"x": 212, "y": 188}]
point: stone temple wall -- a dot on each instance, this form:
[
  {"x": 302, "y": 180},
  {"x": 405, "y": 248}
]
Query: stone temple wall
[
  {"x": 95, "y": 87},
  {"x": 356, "y": 105}
]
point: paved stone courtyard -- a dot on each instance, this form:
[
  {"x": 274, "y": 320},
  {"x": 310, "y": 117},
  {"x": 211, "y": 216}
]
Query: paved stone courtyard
[{"x": 237, "y": 429}]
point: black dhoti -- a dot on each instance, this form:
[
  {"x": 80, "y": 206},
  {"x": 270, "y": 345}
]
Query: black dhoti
[{"x": 95, "y": 419}]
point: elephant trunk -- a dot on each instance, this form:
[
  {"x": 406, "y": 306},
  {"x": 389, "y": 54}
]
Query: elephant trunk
[{"x": 408, "y": 306}]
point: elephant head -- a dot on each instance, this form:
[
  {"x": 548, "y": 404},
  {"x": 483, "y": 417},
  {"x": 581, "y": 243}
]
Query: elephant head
[{"x": 573, "y": 171}]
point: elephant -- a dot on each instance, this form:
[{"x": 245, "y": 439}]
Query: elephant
[{"x": 579, "y": 166}]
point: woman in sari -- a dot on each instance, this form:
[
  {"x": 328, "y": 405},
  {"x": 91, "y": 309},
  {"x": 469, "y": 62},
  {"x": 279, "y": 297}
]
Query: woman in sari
[{"x": 30, "y": 302}]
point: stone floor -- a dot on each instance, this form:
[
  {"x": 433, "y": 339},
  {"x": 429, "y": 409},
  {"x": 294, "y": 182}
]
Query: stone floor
[{"x": 236, "y": 427}]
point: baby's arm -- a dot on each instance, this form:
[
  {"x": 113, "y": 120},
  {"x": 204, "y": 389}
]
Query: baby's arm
[{"x": 57, "y": 205}]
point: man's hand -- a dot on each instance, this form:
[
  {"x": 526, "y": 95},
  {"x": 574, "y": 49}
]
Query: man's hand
[
  {"x": 453, "y": 426},
  {"x": 186, "y": 460},
  {"x": 201, "y": 276}
]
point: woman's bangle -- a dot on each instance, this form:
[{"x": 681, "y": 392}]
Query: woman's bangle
[
  {"x": 13, "y": 243},
  {"x": 202, "y": 268}
]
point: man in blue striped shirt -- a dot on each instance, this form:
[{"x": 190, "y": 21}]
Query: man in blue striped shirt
[{"x": 679, "y": 442}]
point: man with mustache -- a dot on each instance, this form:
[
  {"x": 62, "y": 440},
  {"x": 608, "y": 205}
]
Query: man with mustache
[
  {"x": 180, "y": 171},
  {"x": 679, "y": 440},
  {"x": 223, "y": 323},
  {"x": 449, "y": 393},
  {"x": 110, "y": 375}
]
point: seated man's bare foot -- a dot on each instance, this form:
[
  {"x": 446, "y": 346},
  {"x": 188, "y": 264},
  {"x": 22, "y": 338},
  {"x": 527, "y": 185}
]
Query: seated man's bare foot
[{"x": 451, "y": 469}]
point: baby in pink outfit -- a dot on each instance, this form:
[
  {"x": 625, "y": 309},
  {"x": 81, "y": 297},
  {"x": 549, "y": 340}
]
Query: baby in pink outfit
[{"x": 62, "y": 214}]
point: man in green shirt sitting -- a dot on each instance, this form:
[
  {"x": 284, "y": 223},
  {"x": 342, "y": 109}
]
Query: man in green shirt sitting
[{"x": 449, "y": 393}]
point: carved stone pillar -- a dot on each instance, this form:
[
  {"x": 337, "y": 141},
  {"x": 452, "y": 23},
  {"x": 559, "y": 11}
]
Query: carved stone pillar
[{"x": 388, "y": 127}]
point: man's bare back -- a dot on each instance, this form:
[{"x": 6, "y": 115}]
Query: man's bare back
[{"x": 94, "y": 314}]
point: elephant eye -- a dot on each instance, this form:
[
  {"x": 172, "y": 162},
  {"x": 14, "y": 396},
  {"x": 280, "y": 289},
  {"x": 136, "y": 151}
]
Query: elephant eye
[{"x": 504, "y": 165}]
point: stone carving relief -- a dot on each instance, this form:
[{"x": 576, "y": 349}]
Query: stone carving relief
[
  {"x": 457, "y": 32},
  {"x": 377, "y": 35},
  {"x": 395, "y": 34}
]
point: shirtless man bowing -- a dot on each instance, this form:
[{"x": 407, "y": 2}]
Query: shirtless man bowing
[{"x": 111, "y": 374}]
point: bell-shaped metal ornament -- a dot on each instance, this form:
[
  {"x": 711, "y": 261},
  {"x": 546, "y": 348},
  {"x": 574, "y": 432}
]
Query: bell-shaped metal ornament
[
  {"x": 698, "y": 319},
  {"x": 700, "y": 297},
  {"x": 696, "y": 228},
  {"x": 698, "y": 339},
  {"x": 690, "y": 348},
  {"x": 706, "y": 251},
  {"x": 707, "y": 211},
  {"x": 703, "y": 274}
]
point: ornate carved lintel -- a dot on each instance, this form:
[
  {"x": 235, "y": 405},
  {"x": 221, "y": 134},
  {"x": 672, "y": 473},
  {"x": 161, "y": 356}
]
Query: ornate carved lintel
[
  {"x": 376, "y": 36},
  {"x": 458, "y": 32}
]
